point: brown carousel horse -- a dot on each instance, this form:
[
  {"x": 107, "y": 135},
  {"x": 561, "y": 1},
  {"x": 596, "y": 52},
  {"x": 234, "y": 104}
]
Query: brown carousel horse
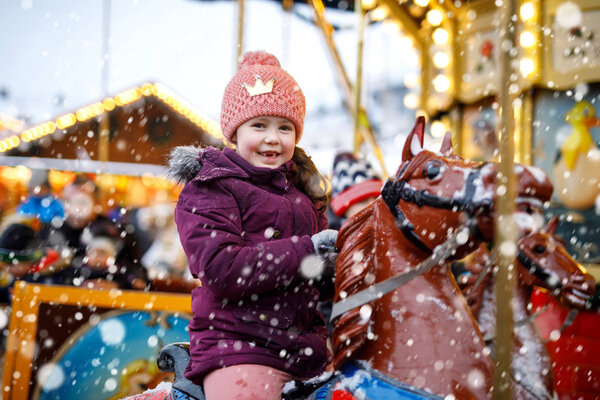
[
  {"x": 423, "y": 333},
  {"x": 544, "y": 262}
]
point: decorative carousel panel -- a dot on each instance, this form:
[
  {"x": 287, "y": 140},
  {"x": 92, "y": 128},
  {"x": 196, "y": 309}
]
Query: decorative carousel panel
[
  {"x": 71, "y": 343},
  {"x": 480, "y": 60},
  {"x": 479, "y": 131},
  {"x": 566, "y": 136},
  {"x": 573, "y": 50}
]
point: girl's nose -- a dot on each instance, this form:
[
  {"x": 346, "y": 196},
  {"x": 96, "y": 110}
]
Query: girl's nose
[{"x": 271, "y": 136}]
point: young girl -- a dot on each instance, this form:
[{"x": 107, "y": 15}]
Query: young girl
[{"x": 247, "y": 219}]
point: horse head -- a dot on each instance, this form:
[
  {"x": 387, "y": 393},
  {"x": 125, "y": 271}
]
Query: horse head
[
  {"x": 442, "y": 190},
  {"x": 545, "y": 262}
]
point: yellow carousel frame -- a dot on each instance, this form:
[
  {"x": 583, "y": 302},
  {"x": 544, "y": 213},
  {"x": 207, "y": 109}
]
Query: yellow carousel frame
[{"x": 27, "y": 298}]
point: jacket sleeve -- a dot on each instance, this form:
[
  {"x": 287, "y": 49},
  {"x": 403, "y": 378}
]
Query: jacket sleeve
[{"x": 212, "y": 238}]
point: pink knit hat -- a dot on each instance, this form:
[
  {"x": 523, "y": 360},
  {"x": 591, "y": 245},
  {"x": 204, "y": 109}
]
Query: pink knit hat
[{"x": 260, "y": 88}]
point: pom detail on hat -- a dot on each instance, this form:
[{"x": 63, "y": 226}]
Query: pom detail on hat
[{"x": 258, "y": 58}]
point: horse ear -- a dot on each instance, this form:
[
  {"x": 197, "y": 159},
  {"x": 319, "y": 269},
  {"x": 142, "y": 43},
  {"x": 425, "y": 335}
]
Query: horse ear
[
  {"x": 551, "y": 225},
  {"x": 446, "y": 148},
  {"x": 414, "y": 141}
]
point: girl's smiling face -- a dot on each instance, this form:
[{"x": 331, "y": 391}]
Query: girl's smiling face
[{"x": 266, "y": 141}]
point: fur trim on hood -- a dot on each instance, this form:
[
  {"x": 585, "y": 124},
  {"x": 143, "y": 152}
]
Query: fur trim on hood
[{"x": 184, "y": 163}]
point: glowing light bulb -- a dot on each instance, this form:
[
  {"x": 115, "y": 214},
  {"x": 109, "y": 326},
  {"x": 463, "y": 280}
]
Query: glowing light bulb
[
  {"x": 527, "y": 66},
  {"x": 441, "y": 59},
  {"x": 379, "y": 14},
  {"x": 440, "y": 36},
  {"x": 441, "y": 83},
  {"x": 527, "y": 11},
  {"x": 411, "y": 80},
  {"x": 438, "y": 129},
  {"x": 368, "y": 4},
  {"x": 422, "y": 3},
  {"x": 434, "y": 17},
  {"x": 527, "y": 39},
  {"x": 411, "y": 101}
]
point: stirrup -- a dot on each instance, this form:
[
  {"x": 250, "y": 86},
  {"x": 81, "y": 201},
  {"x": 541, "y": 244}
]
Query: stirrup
[{"x": 174, "y": 357}]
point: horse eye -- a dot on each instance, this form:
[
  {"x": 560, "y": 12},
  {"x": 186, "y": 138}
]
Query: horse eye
[
  {"x": 432, "y": 170},
  {"x": 539, "y": 249}
]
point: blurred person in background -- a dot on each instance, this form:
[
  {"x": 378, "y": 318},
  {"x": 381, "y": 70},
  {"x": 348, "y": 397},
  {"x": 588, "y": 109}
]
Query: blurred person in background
[
  {"x": 41, "y": 203},
  {"x": 103, "y": 266},
  {"x": 84, "y": 220},
  {"x": 23, "y": 256}
]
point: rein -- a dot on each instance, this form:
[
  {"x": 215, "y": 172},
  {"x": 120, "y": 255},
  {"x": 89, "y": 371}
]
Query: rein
[{"x": 376, "y": 291}]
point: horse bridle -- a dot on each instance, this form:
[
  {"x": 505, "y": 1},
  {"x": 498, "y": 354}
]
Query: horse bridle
[
  {"x": 391, "y": 193},
  {"x": 535, "y": 269},
  {"x": 394, "y": 191}
]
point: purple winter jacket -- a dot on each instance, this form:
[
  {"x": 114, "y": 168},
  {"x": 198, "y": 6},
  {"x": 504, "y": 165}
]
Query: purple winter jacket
[{"x": 245, "y": 230}]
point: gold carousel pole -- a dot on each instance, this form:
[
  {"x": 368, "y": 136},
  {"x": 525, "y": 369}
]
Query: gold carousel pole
[
  {"x": 344, "y": 82},
  {"x": 357, "y": 88},
  {"x": 505, "y": 235},
  {"x": 240, "y": 33}
]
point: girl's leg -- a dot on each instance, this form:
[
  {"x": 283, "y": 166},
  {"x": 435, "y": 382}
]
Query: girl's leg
[{"x": 245, "y": 382}]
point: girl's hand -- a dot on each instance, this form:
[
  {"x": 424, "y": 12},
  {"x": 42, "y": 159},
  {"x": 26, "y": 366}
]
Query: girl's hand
[{"x": 324, "y": 242}]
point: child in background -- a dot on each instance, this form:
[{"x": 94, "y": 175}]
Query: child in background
[
  {"x": 250, "y": 221},
  {"x": 354, "y": 185},
  {"x": 41, "y": 203}
]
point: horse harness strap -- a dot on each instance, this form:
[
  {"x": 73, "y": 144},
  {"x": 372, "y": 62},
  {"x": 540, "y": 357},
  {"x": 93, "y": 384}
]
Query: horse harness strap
[
  {"x": 394, "y": 191},
  {"x": 376, "y": 291}
]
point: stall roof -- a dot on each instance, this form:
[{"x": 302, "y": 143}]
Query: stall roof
[{"x": 143, "y": 123}]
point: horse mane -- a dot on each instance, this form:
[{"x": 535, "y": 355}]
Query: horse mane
[{"x": 353, "y": 267}]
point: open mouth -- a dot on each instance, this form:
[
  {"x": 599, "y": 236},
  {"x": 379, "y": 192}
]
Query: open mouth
[{"x": 269, "y": 154}]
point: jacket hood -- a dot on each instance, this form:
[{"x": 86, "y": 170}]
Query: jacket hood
[{"x": 184, "y": 163}]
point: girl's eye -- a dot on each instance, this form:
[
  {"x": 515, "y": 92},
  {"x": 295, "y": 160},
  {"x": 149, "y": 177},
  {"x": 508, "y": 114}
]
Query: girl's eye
[
  {"x": 258, "y": 125},
  {"x": 285, "y": 128}
]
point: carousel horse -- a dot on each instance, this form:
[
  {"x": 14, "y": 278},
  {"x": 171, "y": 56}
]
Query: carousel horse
[
  {"x": 542, "y": 261},
  {"x": 418, "y": 341},
  {"x": 421, "y": 334}
]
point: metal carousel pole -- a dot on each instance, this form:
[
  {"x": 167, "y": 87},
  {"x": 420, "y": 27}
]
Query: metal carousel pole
[{"x": 506, "y": 233}]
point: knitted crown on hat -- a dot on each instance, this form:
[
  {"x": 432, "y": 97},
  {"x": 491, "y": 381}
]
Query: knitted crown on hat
[
  {"x": 353, "y": 180},
  {"x": 249, "y": 94}
]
